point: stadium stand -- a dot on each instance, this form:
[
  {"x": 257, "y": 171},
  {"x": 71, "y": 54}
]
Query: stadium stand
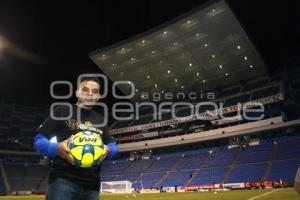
[
  {"x": 193, "y": 167},
  {"x": 247, "y": 172},
  {"x": 222, "y": 157},
  {"x": 254, "y": 154},
  {"x": 191, "y": 160},
  {"x": 18, "y": 123},
  {"x": 253, "y": 93},
  {"x": 284, "y": 169},
  {"x": 25, "y": 177},
  {"x": 209, "y": 175},
  {"x": 178, "y": 178},
  {"x": 288, "y": 149},
  {"x": 249, "y": 164}
]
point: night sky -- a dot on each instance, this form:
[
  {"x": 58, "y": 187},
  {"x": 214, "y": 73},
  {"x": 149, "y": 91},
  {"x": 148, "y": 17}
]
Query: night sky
[{"x": 62, "y": 34}]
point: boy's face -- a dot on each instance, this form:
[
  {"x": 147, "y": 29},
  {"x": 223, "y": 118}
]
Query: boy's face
[{"x": 88, "y": 93}]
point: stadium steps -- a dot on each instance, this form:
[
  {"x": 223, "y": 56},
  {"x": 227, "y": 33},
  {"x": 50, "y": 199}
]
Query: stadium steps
[
  {"x": 173, "y": 168},
  {"x": 202, "y": 165},
  {"x": 163, "y": 177},
  {"x": 232, "y": 166},
  {"x": 145, "y": 171},
  {"x": 149, "y": 167},
  {"x": 270, "y": 163},
  {"x": 4, "y": 178},
  {"x": 138, "y": 179},
  {"x": 43, "y": 179}
]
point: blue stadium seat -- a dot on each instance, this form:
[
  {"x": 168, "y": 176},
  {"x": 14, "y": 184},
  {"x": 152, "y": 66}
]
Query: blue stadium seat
[
  {"x": 223, "y": 157},
  {"x": 209, "y": 175},
  {"x": 148, "y": 180},
  {"x": 284, "y": 170},
  {"x": 259, "y": 153},
  {"x": 288, "y": 149},
  {"x": 247, "y": 172},
  {"x": 177, "y": 178}
]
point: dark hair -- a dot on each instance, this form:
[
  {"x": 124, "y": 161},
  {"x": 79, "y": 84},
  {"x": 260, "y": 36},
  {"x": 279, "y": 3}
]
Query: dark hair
[{"x": 95, "y": 79}]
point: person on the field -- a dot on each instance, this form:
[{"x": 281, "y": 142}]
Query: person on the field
[{"x": 67, "y": 182}]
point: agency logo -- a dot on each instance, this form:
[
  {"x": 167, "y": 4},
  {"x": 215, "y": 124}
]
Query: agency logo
[{"x": 131, "y": 111}]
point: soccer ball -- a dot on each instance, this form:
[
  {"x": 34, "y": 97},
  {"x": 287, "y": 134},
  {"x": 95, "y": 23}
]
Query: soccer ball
[{"x": 86, "y": 149}]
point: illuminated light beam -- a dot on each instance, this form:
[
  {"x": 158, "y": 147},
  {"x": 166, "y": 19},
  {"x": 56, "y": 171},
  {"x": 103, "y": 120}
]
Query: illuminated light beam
[{"x": 19, "y": 52}]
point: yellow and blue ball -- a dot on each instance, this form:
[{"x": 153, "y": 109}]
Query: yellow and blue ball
[{"x": 86, "y": 149}]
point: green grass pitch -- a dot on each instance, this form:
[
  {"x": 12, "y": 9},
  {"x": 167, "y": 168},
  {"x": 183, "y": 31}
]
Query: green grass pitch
[{"x": 279, "y": 194}]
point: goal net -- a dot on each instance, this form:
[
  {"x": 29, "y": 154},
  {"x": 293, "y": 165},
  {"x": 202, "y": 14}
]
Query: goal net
[{"x": 116, "y": 187}]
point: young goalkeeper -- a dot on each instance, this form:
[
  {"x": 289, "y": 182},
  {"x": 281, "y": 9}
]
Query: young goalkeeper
[{"x": 67, "y": 182}]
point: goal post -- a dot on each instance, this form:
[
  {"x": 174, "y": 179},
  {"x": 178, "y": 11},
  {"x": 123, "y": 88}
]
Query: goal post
[{"x": 116, "y": 187}]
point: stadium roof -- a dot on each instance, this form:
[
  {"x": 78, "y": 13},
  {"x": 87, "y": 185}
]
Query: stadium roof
[{"x": 200, "y": 51}]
